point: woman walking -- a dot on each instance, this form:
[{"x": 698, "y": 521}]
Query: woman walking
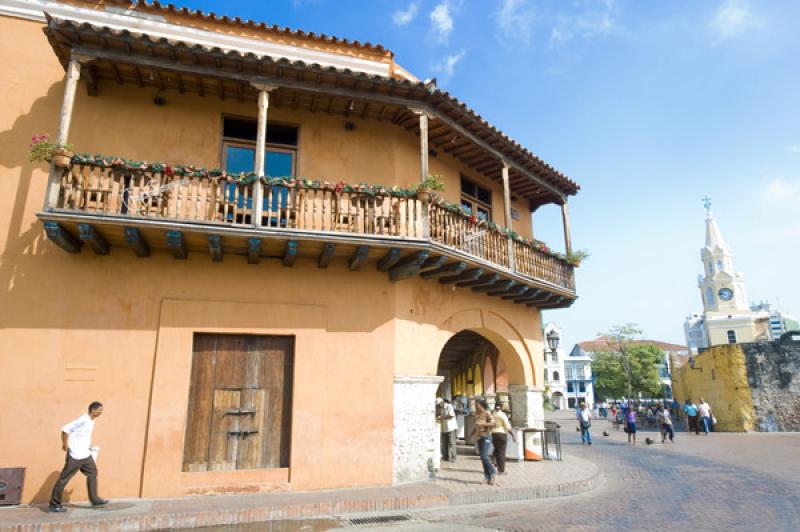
[
  {"x": 630, "y": 425},
  {"x": 484, "y": 423}
]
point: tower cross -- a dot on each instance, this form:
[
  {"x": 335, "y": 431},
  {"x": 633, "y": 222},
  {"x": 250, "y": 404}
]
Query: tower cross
[{"x": 707, "y": 204}]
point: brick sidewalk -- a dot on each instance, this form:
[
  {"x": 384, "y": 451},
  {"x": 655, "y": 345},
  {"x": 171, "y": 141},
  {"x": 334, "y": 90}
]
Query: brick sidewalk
[{"x": 457, "y": 484}]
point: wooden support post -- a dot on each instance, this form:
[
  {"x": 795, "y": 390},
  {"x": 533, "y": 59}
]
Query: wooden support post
[
  {"x": 64, "y": 119},
  {"x": 290, "y": 253},
  {"x": 555, "y": 302},
  {"x": 531, "y": 295},
  {"x": 62, "y": 238},
  {"x": 454, "y": 268},
  {"x": 433, "y": 263},
  {"x": 500, "y": 288},
  {"x": 488, "y": 279},
  {"x": 253, "y": 250},
  {"x": 408, "y": 266},
  {"x": 467, "y": 275},
  {"x": 389, "y": 260},
  {"x": 215, "y": 247},
  {"x": 423, "y": 146},
  {"x": 546, "y": 298},
  {"x": 177, "y": 244},
  {"x": 327, "y": 255},
  {"x": 507, "y": 214},
  {"x": 137, "y": 242},
  {"x": 261, "y": 146},
  {"x": 94, "y": 239},
  {"x": 358, "y": 258},
  {"x": 515, "y": 292},
  {"x": 565, "y": 218}
]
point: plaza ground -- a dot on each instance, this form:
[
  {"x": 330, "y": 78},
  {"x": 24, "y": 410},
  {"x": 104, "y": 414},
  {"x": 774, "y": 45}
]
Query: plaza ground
[{"x": 724, "y": 481}]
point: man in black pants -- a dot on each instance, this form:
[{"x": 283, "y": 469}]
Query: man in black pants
[{"x": 76, "y": 440}]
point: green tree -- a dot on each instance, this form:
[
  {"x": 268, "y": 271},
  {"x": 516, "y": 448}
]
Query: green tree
[
  {"x": 629, "y": 367},
  {"x": 618, "y": 338},
  {"x": 610, "y": 378},
  {"x": 644, "y": 360}
]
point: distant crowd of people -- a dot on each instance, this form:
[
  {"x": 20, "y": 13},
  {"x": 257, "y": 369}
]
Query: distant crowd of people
[{"x": 629, "y": 414}]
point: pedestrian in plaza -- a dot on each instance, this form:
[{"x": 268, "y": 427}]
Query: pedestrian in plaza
[
  {"x": 585, "y": 422},
  {"x": 484, "y": 423},
  {"x": 691, "y": 417},
  {"x": 500, "y": 433},
  {"x": 449, "y": 429},
  {"x": 704, "y": 415},
  {"x": 76, "y": 441},
  {"x": 665, "y": 423},
  {"x": 630, "y": 425}
]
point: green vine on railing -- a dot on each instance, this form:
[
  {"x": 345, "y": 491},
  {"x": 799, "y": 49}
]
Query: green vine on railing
[{"x": 246, "y": 178}]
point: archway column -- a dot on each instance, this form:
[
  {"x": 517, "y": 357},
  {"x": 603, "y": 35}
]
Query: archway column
[
  {"x": 415, "y": 442},
  {"x": 527, "y": 406}
]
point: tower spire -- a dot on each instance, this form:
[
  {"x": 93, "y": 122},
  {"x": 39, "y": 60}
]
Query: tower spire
[{"x": 713, "y": 236}]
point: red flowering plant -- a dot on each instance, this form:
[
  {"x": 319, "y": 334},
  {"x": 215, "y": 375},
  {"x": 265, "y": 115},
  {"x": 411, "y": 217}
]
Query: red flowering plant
[{"x": 42, "y": 149}]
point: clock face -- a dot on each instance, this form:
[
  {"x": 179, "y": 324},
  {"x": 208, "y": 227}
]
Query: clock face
[{"x": 725, "y": 294}]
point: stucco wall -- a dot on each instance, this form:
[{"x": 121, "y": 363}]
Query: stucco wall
[
  {"x": 720, "y": 377},
  {"x": 78, "y": 328}
]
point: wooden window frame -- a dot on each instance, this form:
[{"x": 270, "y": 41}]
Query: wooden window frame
[
  {"x": 295, "y": 150},
  {"x": 474, "y": 202},
  {"x": 278, "y": 148}
]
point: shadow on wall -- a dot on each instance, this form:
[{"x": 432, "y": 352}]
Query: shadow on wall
[
  {"x": 46, "y": 489},
  {"x": 24, "y": 244}
]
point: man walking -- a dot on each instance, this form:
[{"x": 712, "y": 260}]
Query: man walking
[
  {"x": 76, "y": 440},
  {"x": 585, "y": 421},
  {"x": 704, "y": 415},
  {"x": 484, "y": 423},
  {"x": 449, "y": 427},
  {"x": 500, "y": 432},
  {"x": 691, "y": 417}
]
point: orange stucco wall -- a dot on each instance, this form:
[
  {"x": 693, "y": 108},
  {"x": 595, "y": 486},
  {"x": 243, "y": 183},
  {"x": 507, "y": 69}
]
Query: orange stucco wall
[{"x": 77, "y": 328}]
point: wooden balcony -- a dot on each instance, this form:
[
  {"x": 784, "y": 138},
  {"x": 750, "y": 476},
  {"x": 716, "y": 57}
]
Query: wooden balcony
[{"x": 105, "y": 205}]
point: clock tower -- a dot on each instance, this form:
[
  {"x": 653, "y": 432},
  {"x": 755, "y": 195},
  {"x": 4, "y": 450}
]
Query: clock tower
[
  {"x": 721, "y": 287},
  {"x": 727, "y": 316}
]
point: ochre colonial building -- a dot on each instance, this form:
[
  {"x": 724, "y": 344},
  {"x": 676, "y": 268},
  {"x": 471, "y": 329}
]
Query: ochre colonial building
[{"x": 274, "y": 324}]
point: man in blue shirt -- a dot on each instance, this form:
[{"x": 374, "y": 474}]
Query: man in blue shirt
[{"x": 691, "y": 416}]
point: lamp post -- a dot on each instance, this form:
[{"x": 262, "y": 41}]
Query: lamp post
[{"x": 553, "y": 339}]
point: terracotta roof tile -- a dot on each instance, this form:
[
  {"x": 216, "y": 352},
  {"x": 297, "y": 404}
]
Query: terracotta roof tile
[{"x": 601, "y": 344}]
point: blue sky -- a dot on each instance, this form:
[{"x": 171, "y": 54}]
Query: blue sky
[{"x": 648, "y": 104}]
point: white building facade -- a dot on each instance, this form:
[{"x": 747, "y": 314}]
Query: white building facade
[
  {"x": 579, "y": 378},
  {"x": 554, "y": 375}
]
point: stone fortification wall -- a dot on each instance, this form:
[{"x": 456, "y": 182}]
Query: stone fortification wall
[{"x": 773, "y": 374}]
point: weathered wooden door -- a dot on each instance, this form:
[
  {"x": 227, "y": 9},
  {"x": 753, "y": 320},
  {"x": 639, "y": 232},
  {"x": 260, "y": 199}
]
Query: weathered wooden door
[{"x": 240, "y": 401}]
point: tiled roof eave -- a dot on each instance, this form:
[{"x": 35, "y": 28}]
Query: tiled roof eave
[{"x": 419, "y": 92}]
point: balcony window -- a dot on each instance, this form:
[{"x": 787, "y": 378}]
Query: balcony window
[{"x": 476, "y": 199}]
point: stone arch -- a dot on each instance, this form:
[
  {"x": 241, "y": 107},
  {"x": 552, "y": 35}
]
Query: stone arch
[{"x": 513, "y": 349}]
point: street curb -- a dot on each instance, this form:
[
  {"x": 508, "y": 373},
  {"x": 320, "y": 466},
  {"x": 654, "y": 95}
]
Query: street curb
[{"x": 318, "y": 509}]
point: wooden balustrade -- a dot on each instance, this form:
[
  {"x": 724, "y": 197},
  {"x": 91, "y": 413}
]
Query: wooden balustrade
[
  {"x": 94, "y": 189},
  {"x": 532, "y": 262},
  {"x": 454, "y": 230}
]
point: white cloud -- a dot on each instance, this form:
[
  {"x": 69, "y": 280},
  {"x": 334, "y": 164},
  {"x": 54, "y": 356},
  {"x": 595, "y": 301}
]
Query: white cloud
[
  {"x": 402, "y": 17},
  {"x": 732, "y": 18},
  {"x": 794, "y": 148},
  {"x": 514, "y": 22},
  {"x": 782, "y": 190},
  {"x": 442, "y": 21},
  {"x": 447, "y": 67},
  {"x": 593, "y": 18}
]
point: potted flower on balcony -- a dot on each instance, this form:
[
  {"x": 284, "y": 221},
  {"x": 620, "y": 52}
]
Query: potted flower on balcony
[
  {"x": 432, "y": 183},
  {"x": 576, "y": 257},
  {"x": 42, "y": 149}
]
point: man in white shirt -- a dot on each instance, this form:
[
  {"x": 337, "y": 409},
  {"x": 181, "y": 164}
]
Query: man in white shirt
[
  {"x": 76, "y": 440},
  {"x": 449, "y": 427},
  {"x": 500, "y": 432},
  {"x": 704, "y": 415},
  {"x": 585, "y": 421}
]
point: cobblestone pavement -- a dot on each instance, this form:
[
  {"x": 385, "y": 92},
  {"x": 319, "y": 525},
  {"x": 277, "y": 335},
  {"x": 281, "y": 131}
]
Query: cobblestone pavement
[{"x": 720, "y": 482}]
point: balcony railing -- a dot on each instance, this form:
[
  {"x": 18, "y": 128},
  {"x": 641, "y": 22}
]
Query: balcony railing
[{"x": 95, "y": 186}]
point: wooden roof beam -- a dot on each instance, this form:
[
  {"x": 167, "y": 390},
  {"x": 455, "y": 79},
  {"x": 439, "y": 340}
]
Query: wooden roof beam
[{"x": 339, "y": 91}]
